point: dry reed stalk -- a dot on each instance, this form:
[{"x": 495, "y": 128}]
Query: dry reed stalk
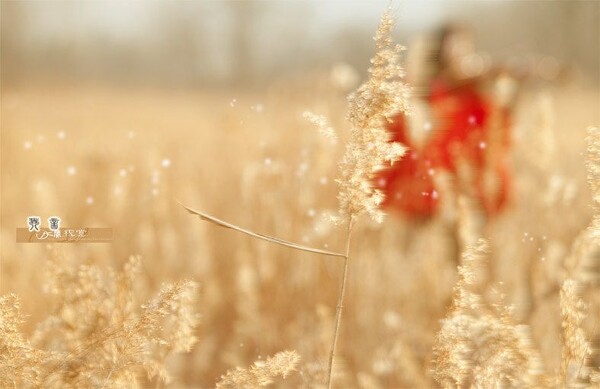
[
  {"x": 368, "y": 150},
  {"x": 339, "y": 307},
  {"x": 371, "y": 107},
  {"x": 211, "y": 219}
]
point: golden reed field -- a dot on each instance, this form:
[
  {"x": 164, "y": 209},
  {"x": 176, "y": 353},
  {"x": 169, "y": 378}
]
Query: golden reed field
[{"x": 457, "y": 300}]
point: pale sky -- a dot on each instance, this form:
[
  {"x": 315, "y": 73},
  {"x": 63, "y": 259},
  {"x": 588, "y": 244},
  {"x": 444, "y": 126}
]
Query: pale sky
[{"x": 134, "y": 19}]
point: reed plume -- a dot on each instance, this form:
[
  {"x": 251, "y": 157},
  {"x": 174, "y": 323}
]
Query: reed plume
[
  {"x": 371, "y": 107},
  {"x": 261, "y": 373},
  {"x": 98, "y": 335},
  {"x": 478, "y": 344}
]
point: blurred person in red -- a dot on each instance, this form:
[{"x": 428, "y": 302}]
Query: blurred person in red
[{"x": 458, "y": 130}]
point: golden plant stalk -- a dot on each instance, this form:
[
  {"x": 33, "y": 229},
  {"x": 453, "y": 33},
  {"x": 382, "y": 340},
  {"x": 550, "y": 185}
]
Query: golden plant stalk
[
  {"x": 371, "y": 107},
  {"x": 211, "y": 219},
  {"x": 339, "y": 307},
  {"x": 296, "y": 246}
]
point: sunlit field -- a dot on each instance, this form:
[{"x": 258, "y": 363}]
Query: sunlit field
[{"x": 130, "y": 158}]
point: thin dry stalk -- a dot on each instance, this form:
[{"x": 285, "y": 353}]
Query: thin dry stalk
[
  {"x": 371, "y": 107},
  {"x": 369, "y": 149},
  {"x": 338, "y": 313},
  {"x": 346, "y": 256},
  {"x": 296, "y": 246}
]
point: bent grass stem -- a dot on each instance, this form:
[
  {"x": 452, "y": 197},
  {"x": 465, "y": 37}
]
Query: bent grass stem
[{"x": 346, "y": 256}]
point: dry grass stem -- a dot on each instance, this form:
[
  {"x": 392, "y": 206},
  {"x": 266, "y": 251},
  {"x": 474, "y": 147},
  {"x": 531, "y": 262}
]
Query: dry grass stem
[{"x": 296, "y": 246}]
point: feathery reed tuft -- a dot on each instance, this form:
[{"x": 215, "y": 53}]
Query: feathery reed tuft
[
  {"x": 478, "y": 344},
  {"x": 371, "y": 107},
  {"x": 322, "y": 124},
  {"x": 261, "y": 373},
  {"x": 19, "y": 361},
  {"x": 98, "y": 335},
  {"x": 576, "y": 347}
]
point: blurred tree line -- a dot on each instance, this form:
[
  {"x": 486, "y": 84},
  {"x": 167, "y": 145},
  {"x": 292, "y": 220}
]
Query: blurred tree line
[{"x": 203, "y": 43}]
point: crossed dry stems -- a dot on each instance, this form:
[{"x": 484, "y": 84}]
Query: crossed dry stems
[
  {"x": 346, "y": 256},
  {"x": 382, "y": 96}
]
